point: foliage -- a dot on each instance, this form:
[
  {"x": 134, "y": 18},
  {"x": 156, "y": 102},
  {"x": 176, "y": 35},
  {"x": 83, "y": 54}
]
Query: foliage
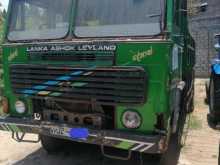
[
  {"x": 2, "y": 18},
  {"x": 1, "y": 30},
  {"x": 1, "y": 37},
  {"x": 2, "y": 15}
]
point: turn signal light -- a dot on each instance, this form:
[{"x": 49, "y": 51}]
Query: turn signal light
[{"x": 5, "y": 107}]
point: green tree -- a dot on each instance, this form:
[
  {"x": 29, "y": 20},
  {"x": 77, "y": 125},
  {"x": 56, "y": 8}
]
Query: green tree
[
  {"x": 1, "y": 24},
  {"x": 1, "y": 18},
  {"x": 4, "y": 14},
  {"x": 1, "y": 33}
]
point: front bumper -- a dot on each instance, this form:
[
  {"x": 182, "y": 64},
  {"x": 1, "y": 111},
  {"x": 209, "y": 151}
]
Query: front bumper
[{"x": 121, "y": 140}]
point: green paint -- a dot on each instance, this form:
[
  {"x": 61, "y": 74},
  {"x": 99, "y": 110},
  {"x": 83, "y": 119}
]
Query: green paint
[
  {"x": 8, "y": 128},
  {"x": 4, "y": 128},
  {"x": 124, "y": 145},
  {"x": 14, "y": 128},
  {"x": 56, "y": 94},
  {"x": 78, "y": 84}
]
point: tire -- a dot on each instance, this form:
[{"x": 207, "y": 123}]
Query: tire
[
  {"x": 173, "y": 150},
  {"x": 175, "y": 143},
  {"x": 207, "y": 93},
  {"x": 214, "y": 96},
  {"x": 53, "y": 145},
  {"x": 177, "y": 137},
  {"x": 219, "y": 155},
  {"x": 154, "y": 159}
]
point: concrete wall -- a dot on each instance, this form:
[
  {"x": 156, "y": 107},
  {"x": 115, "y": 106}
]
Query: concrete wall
[{"x": 203, "y": 26}]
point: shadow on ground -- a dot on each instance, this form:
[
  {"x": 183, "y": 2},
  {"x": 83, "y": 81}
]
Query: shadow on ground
[
  {"x": 81, "y": 154},
  {"x": 172, "y": 156}
]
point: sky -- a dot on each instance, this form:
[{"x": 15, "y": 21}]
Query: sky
[{"x": 4, "y": 3}]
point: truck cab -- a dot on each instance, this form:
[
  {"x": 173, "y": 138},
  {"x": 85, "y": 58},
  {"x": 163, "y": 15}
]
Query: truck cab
[{"x": 116, "y": 73}]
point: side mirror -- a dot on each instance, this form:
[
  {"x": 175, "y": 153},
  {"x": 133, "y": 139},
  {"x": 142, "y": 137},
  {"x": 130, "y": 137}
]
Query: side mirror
[
  {"x": 197, "y": 8},
  {"x": 203, "y": 7},
  {"x": 217, "y": 46}
]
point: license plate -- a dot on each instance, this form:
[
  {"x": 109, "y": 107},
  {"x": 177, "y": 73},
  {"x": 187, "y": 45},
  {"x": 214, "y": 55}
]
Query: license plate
[
  {"x": 74, "y": 133},
  {"x": 57, "y": 131},
  {"x": 79, "y": 133}
]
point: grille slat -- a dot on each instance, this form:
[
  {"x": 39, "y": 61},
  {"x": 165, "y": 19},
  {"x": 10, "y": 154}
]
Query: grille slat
[
  {"x": 81, "y": 79},
  {"x": 127, "y": 87},
  {"x": 73, "y": 56},
  {"x": 95, "y": 88},
  {"x": 110, "y": 86},
  {"x": 77, "y": 100},
  {"x": 96, "y": 74},
  {"x": 94, "y": 91}
]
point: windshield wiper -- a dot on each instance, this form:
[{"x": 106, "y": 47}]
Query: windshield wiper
[{"x": 153, "y": 15}]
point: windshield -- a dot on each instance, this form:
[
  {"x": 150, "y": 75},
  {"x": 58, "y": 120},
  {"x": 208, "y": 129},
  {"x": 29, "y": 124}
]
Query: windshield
[
  {"x": 102, "y": 18},
  {"x": 39, "y": 19}
]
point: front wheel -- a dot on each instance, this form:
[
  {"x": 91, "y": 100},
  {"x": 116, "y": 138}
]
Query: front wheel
[
  {"x": 52, "y": 145},
  {"x": 219, "y": 155}
]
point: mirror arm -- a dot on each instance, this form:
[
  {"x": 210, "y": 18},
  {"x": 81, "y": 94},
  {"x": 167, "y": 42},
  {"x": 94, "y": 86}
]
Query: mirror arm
[{"x": 183, "y": 10}]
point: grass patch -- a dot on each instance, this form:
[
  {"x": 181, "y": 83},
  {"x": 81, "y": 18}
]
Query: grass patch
[
  {"x": 186, "y": 148},
  {"x": 214, "y": 156},
  {"x": 195, "y": 123},
  {"x": 1, "y": 112}
]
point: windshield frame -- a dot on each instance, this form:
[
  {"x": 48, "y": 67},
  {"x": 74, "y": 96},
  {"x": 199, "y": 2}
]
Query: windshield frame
[
  {"x": 161, "y": 22},
  {"x": 71, "y": 30},
  {"x": 9, "y": 19}
]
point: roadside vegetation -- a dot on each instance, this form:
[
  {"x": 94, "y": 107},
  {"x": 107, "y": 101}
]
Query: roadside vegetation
[{"x": 2, "y": 20}]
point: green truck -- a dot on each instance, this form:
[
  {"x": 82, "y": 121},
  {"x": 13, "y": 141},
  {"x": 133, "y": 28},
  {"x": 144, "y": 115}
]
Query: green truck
[{"x": 118, "y": 74}]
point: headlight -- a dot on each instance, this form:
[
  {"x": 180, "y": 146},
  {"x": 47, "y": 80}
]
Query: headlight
[
  {"x": 20, "y": 107},
  {"x": 131, "y": 119}
]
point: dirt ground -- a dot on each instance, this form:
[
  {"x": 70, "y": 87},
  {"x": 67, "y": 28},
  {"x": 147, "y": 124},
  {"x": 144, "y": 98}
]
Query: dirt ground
[{"x": 201, "y": 146}]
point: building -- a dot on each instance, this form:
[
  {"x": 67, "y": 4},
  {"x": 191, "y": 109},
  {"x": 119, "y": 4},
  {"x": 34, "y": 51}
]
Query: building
[{"x": 203, "y": 26}]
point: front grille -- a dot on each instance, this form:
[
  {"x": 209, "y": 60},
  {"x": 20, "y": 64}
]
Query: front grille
[
  {"x": 106, "y": 57},
  {"x": 106, "y": 86}
]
